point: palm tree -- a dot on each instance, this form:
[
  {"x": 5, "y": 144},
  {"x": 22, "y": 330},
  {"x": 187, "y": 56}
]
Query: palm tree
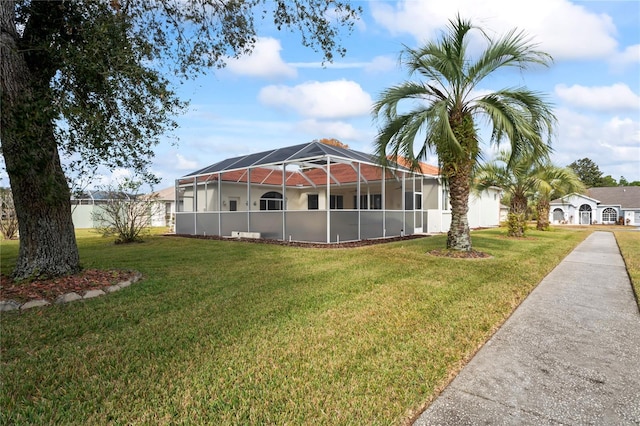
[
  {"x": 526, "y": 179},
  {"x": 443, "y": 109}
]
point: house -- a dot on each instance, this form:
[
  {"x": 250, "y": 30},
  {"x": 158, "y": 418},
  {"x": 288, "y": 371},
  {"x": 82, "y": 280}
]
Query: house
[
  {"x": 165, "y": 214},
  {"x": 599, "y": 205},
  {"x": 318, "y": 193},
  {"x": 85, "y": 205}
]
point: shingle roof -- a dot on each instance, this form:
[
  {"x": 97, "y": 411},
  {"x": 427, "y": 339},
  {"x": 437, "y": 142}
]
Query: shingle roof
[{"x": 628, "y": 197}]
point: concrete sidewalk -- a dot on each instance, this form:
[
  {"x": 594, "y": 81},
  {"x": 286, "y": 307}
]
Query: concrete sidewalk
[{"x": 570, "y": 354}]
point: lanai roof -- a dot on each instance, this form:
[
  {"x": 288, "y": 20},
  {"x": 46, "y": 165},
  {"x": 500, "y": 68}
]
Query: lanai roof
[
  {"x": 311, "y": 153},
  {"x": 304, "y": 153},
  {"x": 312, "y": 157}
]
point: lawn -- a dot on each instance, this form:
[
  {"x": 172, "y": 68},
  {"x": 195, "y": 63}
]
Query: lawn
[
  {"x": 629, "y": 243},
  {"x": 223, "y": 332}
]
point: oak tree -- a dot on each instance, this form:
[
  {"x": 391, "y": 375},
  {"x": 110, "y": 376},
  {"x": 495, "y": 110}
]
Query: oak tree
[{"x": 92, "y": 82}]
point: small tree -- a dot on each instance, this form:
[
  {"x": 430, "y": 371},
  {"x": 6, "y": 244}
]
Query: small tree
[
  {"x": 127, "y": 213},
  {"x": 8, "y": 218}
]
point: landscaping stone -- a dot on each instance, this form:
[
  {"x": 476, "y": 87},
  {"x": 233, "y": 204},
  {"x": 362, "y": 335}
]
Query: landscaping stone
[
  {"x": 112, "y": 288},
  {"x": 9, "y": 305},
  {"x": 124, "y": 284},
  {"x": 69, "y": 297},
  {"x": 93, "y": 293},
  {"x": 34, "y": 304}
]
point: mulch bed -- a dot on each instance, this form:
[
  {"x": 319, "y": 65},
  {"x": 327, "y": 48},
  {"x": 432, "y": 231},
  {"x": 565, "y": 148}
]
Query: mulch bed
[
  {"x": 455, "y": 254},
  {"x": 89, "y": 279},
  {"x": 348, "y": 244}
]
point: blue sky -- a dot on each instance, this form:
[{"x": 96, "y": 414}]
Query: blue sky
[{"x": 281, "y": 95}]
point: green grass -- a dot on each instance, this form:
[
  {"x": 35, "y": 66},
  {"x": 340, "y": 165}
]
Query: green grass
[
  {"x": 629, "y": 243},
  {"x": 241, "y": 333}
]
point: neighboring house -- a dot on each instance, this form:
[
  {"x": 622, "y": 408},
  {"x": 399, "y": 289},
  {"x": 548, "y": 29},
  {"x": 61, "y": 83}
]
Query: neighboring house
[
  {"x": 319, "y": 193},
  {"x": 86, "y": 204},
  {"x": 599, "y": 205},
  {"x": 83, "y": 206},
  {"x": 165, "y": 216}
]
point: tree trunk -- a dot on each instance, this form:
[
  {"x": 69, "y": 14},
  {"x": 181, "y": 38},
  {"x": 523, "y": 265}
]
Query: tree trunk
[
  {"x": 543, "y": 214},
  {"x": 517, "y": 221},
  {"x": 40, "y": 192},
  {"x": 459, "y": 235}
]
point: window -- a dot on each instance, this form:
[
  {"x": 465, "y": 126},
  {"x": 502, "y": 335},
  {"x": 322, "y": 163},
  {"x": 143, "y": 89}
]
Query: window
[
  {"x": 558, "y": 215},
  {"x": 312, "y": 201},
  {"x": 336, "y": 202},
  {"x": 609, "y": 215},
  {"x": 233, "y": 205},
  {"x": 408, "y": 200},
  {"x": 376, "y": 201},
  {"x": 364, "y": 204},
  {"x": 271, "y": 201}
]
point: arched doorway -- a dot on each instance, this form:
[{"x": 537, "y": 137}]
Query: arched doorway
[
  {"x": 585, "y": 214},
  {"x": 271, "y": 201},
  {"x": 558, "y": 215}
]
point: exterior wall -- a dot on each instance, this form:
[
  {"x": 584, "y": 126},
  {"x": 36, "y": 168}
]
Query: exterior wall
[
  {"x": 163, "y": 214},
  {"x": 82, "y": 215},
  {"x": 484, "y": 209},
  {"x": 344, "y": 224},
  {"x": 431, "y": 194}
]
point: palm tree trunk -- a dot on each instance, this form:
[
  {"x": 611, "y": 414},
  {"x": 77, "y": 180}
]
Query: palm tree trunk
[
  {"x": 543, "y": 214},
  {"x": 517, "y": 219},
  {"x": 40, "y": 192},
  {"x": 459, "y": 235}
]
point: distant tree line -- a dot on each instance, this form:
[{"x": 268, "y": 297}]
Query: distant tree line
[{"x": 591, "y": 176}]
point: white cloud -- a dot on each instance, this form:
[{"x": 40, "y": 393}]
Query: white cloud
[
  {"x": 381, "y": 64},
  {"x": 631, "y": 55},
  {"x": 184, "y": 164},
  {"x": 613, "y": 144},
  {"x": 331, "y": 99},
  {"x": 563, "y": 29},
  {"x": 328, "y": 129},
  {"x": 600, "y": 98},
  {"x": 264, "y": 61},
  {"x": 377, "y": 64},
  {"x": 111, "y": 178}
]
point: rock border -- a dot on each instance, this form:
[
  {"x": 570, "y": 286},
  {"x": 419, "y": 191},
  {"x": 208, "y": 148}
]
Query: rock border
[{"x": 12, "y": 305}]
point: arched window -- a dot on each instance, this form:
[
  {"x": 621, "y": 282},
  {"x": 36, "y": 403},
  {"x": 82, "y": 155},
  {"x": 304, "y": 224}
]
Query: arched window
[
  {"x": 271, "y": 201},
  {"x": 609, "y": 215},
  {"x": 558, "y": 215}
]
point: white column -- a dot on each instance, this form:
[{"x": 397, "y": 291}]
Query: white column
[{"x": 328, "y": 198}]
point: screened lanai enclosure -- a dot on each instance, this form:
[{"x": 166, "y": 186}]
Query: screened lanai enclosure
[{"x": 310, "y": 193}]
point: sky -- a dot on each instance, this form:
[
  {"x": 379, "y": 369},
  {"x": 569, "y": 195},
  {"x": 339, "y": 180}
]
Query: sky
[{"x": 283, "y": 95}]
